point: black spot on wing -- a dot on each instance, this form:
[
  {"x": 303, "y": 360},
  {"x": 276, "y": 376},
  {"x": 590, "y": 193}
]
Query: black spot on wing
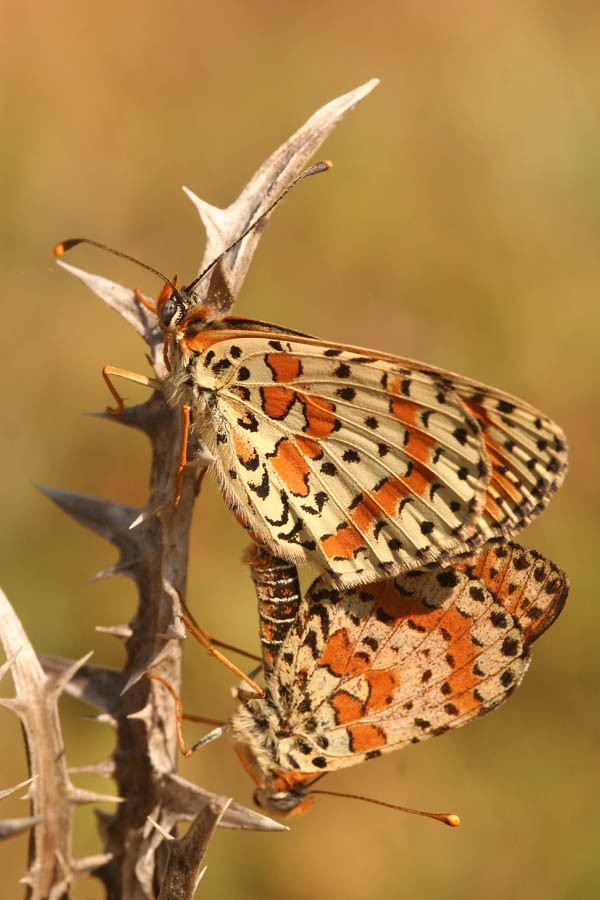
[
  {"x": 221, "y": 366},
  {"x": 262, "y": 489},
  {"x": 342, "y": 371},
  {"x": 321, "y": 499}
]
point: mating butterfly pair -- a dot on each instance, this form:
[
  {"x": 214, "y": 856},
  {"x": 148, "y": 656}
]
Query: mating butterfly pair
[{"x": 373, "y": 467}]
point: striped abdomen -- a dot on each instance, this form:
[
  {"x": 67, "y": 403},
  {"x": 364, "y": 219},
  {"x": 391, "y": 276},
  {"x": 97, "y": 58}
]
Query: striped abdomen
[{"x": 278, "y": 594}]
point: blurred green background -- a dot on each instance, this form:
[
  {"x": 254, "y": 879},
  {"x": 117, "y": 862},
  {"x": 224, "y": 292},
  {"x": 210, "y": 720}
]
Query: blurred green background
[{"x": 460, "y": 225}]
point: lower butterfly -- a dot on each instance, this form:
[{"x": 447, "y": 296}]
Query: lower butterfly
[
  {"x": 365, "y": 464},
  {"x": 354, "y": 674}
]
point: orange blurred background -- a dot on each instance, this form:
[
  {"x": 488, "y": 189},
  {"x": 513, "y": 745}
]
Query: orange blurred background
[{"x": 460, "y": 225}]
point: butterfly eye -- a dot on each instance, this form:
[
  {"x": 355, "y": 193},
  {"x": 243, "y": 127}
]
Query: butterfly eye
[
  {"x": 281, "y": 802},
  {"x": 167, "y": 311}
]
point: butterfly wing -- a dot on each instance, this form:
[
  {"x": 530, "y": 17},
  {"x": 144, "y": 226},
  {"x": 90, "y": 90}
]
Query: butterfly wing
[
  {"x": 365, "y": 672},
  {"x": 367, "y": 465},
  {"x": 531, "y": 588}
]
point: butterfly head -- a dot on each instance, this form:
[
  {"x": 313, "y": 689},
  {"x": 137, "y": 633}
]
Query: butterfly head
[
  {"x": 178, "y": 309},
  {"x": 281, "y": 793},
  {"x": 282, "y": 803},
  {"x": 285, "y": 793}
]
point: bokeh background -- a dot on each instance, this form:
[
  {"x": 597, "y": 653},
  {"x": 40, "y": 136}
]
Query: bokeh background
[{"x": 460, "y": 225}]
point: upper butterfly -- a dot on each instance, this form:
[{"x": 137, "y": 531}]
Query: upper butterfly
[{"x": 367, "y": 464}]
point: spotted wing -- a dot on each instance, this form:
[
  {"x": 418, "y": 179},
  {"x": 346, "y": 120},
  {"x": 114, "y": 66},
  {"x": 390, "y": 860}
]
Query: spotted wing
[
  {"x": 369, "y": 466},
  {"x": 532, "y": 589},
  {"x": 365, "y": 672}
]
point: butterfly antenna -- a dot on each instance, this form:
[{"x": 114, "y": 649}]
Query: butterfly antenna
[
  {"x": 323, "y": 166},
  {"x": 62, "y": 248},
  {"x": 446, "y": 818},
  {"x": 211, "y": 736}
]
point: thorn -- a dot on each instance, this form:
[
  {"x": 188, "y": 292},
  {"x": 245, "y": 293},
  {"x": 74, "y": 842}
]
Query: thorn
[
  {"x": 141, "y": 669},
  {"x": 160, "y": 829},
  {"x": 103, "y": 414},
  {"x": 214, "y": 220},
  {"x": 131, "y": 416},
  {"x": 8, "y": 791},
  {"x": 79, "y": 796},
  {"x": 58, "y": 681},
  {"x": 104, "y": 769},
  {"x": 133, "y": 679},
  {"x": 103, "y": 719},
  {"x": 124, "y": 567},
  {"x": 15, "y": 705},
  {"x": 98, "y": 685},
  {"x": 123, "y": 632},
  {"x": 138, "y": 521},
  {"x": 143, "y": 715},
  {"x": 172, "y": 635},
  {"x": 149, "y": 513},
  {"x": 145, "y": 417},
  {"x": 110, "y": 520},
  {"x": 181, "y": 798},
  {"x": 121, "y": 299},
  {"x": 11, "y": 827},
  {"x": 88, "y": 865}
]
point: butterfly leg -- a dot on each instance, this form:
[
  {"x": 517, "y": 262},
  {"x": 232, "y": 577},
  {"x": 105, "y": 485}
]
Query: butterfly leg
[
  {"x": 185, "y": 432},
  {"x": 258, "y": 692},
  {"x": 107, "y": 371},
  {"x": 144, "y": 301},
  {"x": 180, "y": 716},
  {"x": 201, "y": 461}
]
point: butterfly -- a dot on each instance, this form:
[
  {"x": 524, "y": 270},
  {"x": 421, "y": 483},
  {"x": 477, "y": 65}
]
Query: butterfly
[
  {"x": 362, "y": 672},
  {"x": 365, "y": 464}
]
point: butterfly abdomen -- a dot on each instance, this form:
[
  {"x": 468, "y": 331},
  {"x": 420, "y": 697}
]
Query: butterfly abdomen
[{"x": 278, "y": 594}]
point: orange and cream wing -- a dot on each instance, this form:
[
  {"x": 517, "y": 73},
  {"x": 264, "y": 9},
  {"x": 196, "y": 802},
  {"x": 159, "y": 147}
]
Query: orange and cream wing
[
  {"x": 367, "y": 466},
  {"x": 364, "y": 672},
  {"x": 531, "y": 589}
]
